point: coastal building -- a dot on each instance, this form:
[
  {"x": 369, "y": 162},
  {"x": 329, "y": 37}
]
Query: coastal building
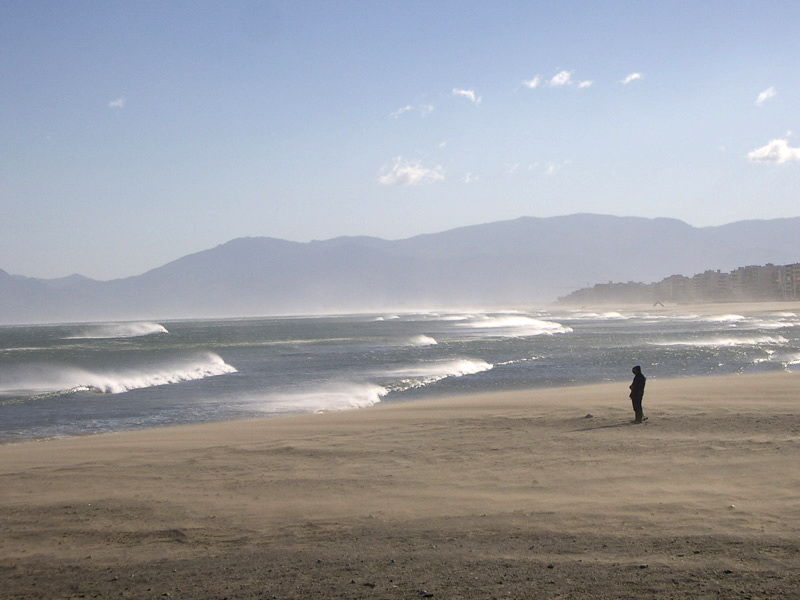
[
  {"x": 744, "y": 284},
  {"x": 789, "y": 282}
]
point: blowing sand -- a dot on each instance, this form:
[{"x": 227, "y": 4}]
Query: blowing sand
[{"x": 508, "y": 495}]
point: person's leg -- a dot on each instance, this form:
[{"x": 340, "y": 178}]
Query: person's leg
[{"x": 637, "y": 409}]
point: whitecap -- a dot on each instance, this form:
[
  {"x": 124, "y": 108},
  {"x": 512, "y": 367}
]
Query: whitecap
[
  {"x": 724, "y": 318},
  {"x": 420, "y": 375},
  {"x": 422, "y": 340},
  {"x": 117, "y": 330},
  {"x": 515, "y": 325},
  {"x": 61, "y": 379},
  {"x": 329, "y": 397},
  {"x": 725, "y": 341}
]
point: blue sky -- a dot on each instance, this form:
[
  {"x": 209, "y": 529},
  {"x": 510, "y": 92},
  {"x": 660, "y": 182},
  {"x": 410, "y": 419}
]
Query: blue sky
[{"x": 132, "y": 133}]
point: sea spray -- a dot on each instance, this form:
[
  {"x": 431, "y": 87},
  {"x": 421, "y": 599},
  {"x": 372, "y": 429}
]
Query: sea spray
[
  {"x": 417, "y": 376},
  {"x": 117, "y": 330},
  {"x": 332, "y": 396},
  {"x": 422, "y": 340},
  {"x": 61, "y": 379},
  {"x": 725, "y": 341},
  {"x": 514, "y": 326}
]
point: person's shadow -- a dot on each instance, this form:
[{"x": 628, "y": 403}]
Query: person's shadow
[{"x": 611, "y": 426}]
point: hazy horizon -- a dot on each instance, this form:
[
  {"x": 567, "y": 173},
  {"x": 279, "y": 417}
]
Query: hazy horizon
[
  {"x": 136, "y": 133},
  {"x": 366, "y": 235}
]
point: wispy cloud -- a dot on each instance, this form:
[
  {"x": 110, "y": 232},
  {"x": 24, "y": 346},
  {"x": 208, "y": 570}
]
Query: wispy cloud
[
  {"x": 561, "y": 78},
  {"x": 766, "y": 95},
  {"x": 468, "y": 94},
  {"x": 631, "y": 77},
  {"x": 401, "y": 111},
  {"x": 470, "y": 178},
  {"x": 532, "y": 83},
  {"x": 405, "y": 172},
  {"x": 423, "y": 109},
  {"x": 117, "y": 103},
  {"x": 776, "y": 151}
]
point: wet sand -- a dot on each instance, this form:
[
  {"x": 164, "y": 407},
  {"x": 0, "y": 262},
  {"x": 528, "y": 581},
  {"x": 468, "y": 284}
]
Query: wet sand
[{"x": 506, "y": 495}]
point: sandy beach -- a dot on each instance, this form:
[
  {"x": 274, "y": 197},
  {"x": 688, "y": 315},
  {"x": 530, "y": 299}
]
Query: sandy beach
[{"x": 533, "y": 494}]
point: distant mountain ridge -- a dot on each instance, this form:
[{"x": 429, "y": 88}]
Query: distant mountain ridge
[{"x": 518, "y": 262}]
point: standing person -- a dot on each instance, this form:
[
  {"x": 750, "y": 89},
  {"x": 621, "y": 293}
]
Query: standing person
[{"x": 637, "y": 393}]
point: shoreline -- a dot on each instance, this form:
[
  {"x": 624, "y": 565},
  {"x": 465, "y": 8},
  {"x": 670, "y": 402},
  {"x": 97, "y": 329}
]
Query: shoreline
[
  {"x": 464, "y": 397},
  {"x": 511, "y": 494}
]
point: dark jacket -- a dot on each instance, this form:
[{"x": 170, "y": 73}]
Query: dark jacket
[{"x": 637, "y": 387}]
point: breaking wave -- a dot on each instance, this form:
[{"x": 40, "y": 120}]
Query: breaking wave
[
  {"x": 724, "y": 318},
  {"x": 422, "y": 340},
  {"x": 515, "y": 325},
  {"x": 726, "y": 341},
  {"x": 330, "y": 397},
  {"x": 117, "y": 330},
  {"x": 417, "y": 376},
  {"x": 611, "y": 316},
  {"x": 336, "y": 396},
  {"x": 56, "y": 381}
]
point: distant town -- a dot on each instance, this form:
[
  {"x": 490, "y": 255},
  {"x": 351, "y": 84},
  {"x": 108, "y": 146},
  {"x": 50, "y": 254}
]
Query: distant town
[{"x": 754, "y": 283}]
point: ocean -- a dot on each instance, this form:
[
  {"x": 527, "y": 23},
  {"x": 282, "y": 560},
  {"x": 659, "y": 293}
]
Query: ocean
[{"x": 75, "y": 379}]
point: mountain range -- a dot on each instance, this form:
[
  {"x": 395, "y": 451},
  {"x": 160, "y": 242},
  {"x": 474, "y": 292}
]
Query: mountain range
[{"x": 524, "y": 261}]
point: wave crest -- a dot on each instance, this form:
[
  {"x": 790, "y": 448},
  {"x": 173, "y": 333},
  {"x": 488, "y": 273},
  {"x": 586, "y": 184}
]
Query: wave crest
[
  {"x": 54, "y": 381},
  {"x": 515, "y": 325},
  {"x": 118, "y": 330},
  {"x": 724, "y": 318},
  {"x": 418, "y": 376},
  {"x": 422, "y": 340},
  {"x": 331, "y": 397},
  {"x": 726, "y": 341}
]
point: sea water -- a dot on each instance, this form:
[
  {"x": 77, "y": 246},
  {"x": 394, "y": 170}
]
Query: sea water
[{"x": 72, "y": 379}]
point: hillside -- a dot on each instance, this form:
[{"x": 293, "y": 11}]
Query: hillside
[{"x": 520, "y": 262}]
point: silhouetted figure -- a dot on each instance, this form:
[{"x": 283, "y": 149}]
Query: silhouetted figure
[{"x": 637, "y": 393}]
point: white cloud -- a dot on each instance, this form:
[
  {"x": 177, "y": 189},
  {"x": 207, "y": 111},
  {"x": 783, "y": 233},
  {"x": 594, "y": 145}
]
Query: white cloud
[
  {"x": 402, "y": 110},
  {"x": 766, "y": 95},
  {"x": 117, "y": 103},
  {"x": 561, "y": 78},
  {"x": 404, "y": 172},
  {"x": 631, "y": 77},
  {"x": 512, "y": 168},
  {"x": 423, "y": 109},
  {"x": 468, "y": 94},
  {"x": 585, "y": 84},
  {"x": 470, "y": 178},
  {"x": 777, "y": 151},
  {"x": 532, "y": 83}
]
